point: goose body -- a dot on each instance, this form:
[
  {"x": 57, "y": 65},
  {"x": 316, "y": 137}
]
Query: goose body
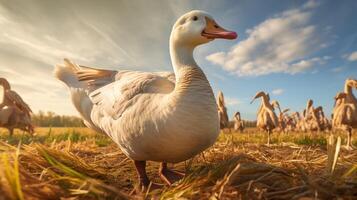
[
  {"x": 238, "y": 122},
  {"x": 163, "y": 116},
  {"x": 12, "y": 98},
  {"x": 311, "y": 118},
  {"x": 345, "y": 111},
  {"x": 266, "y": 117},
  {"x": 222, "y": 111},
  {"x": 300, "y": 122},
  {"x": 158, "y": 116},
  {"x": 281, "y": 118},
  {"x": 14, "y": 112},
  {"x": 11, "y": 118}
]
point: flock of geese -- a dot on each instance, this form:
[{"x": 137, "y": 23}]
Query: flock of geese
[
  {"x": 343, "y": 117},
  {"x": 162, "y": 116}
]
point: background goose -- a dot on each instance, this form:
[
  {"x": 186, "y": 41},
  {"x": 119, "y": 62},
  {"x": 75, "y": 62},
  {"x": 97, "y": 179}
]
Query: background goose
[
  {"x": 14, "y": 112},
  {"x": 345, "y": 111},
  {"x": 311, "y": 117},
  {"x": 238, "y": 122},
  {"x": 11, "y": 118},
  {"x": 162, "y": 117},
  {"x": 11, "y": 98},
  {"x": 266, "y": 117},
  {"x": 222, "y": 111},
  {"x": 281, "y": 120}
]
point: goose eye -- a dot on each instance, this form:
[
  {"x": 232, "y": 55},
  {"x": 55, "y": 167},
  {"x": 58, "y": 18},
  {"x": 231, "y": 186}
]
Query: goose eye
[{"x": 195, "y": 18}]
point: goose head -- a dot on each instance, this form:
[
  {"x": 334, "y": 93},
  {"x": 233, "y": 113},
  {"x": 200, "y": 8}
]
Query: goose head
[
  {"x": 275, "y": 104},
  {"x": 259, "y": 94},
  {"x": 351, "y": 82},
  {"x": 237, "y": 114},
  {"x": 340, "y": 95},
  {"x": 198, "y": 27},
  {"x": 310, "y": 102},
  {"x": 220, "y": 99},
  {"x": 319, "y": 111},
  {"x": 339, "y": 98}
]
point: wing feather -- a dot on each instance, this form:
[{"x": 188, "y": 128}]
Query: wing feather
[
  {"x": 15, "y": 98},
  {"x": 116, "y": 90},
  {"x": 2, "y": 95}
]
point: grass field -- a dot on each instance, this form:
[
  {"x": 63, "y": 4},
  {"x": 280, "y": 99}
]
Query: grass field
[{"x": 77, "y": 163}]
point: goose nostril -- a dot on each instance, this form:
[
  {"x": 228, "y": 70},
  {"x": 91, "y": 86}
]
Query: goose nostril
[{"x": 216, "y": 26}]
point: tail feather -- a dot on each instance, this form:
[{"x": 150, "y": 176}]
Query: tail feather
[{"x": 67, "y": 73}]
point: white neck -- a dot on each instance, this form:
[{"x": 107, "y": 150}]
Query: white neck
[
  {"x": 348, "y": 89},
  {"x": 265, "y": 102},
  {"x": 187, "y": 72},
  {"x": 181, "y": 56},
  {"x": 350, "y": 98}
]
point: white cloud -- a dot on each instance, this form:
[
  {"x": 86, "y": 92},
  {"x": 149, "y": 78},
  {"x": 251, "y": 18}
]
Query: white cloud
[
  {"x": 311, "y": 4},
  {"x": 337, "y": 69},
  {"x": 282, "y": 44},
  {"x": 278, "y": 91},
  {"x": 36, "y": 36},
  {"x": 216, "y": 58},
  {"x": 232, "y": 101},
  {"x": 352, "y": 57}
]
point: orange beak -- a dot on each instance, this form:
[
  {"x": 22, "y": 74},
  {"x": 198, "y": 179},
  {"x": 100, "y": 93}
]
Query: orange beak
[{"x": 213, "y": 31}]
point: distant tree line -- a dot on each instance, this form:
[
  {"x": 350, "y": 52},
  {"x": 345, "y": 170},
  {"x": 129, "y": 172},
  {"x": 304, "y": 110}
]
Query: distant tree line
[
  {"x": 250, "y": 124},
  {"x": 247, "y": 123},
  {"x": 51, "y": 119}
]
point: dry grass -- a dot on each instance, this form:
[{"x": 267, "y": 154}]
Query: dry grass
[{"x": 78, "y": 164}]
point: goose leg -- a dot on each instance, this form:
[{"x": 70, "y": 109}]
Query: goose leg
[
  {"x": 31, "y": 129},
  {"x": 349, "y": 138},
  {"x": 169, "y": 176},
  {"x": 144, "y": 181},
  {"x": 268, "y": 137},
  {"x": 11, "y": 132}
]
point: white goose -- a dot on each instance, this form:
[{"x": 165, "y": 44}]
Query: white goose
[{"x": 162, "y": 116}]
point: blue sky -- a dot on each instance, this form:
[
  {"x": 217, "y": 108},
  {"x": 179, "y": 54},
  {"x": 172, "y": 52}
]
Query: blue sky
[
  {"x": 295, "y": 50},
  {"x": 334, "y": 34}
]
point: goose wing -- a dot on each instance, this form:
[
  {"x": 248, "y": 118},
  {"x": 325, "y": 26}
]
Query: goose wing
[
  {"x": 115, "y": 91},
  {"x": 271, "y": 118},
  {"x": 15, "y": 98},
  {"x": 100, "y": 77},
  {"x": 286, "y": 110},
  {"x": 2, "y": 95}
]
